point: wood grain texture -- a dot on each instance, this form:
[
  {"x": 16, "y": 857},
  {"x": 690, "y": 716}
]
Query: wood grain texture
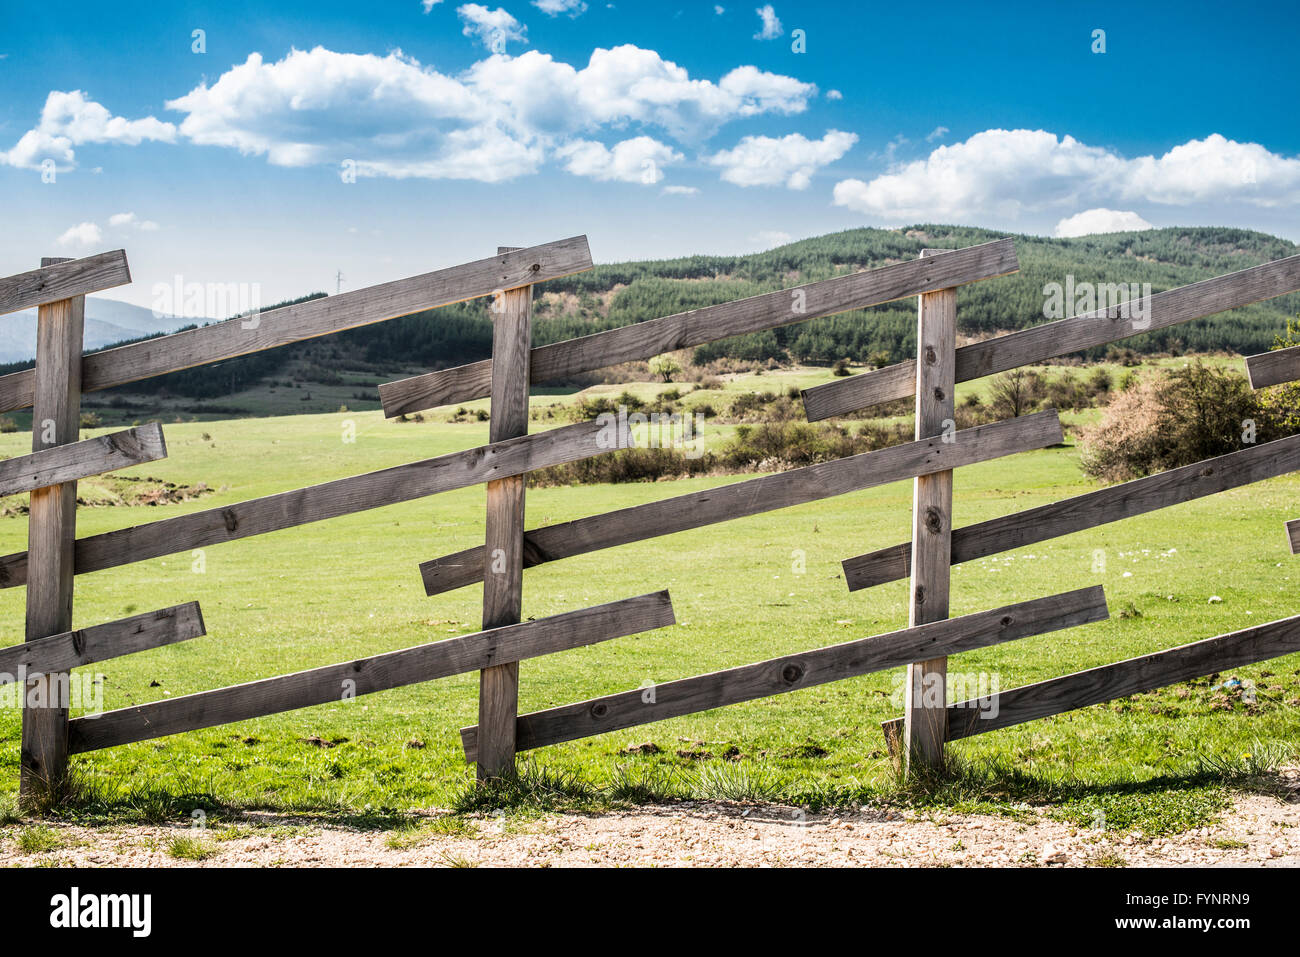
[
  {"x": 63, "y": 279},
  {"x": 126, "y": 636},
  {"x": 77, "y": 460},
  {"x": 503, "y": 582},
  {"x": 754, "y": 496},
  {"x": 1135, "y": 675},
  {"x": 393, "y": 669},
  {"x": 318, "y": 317},
  {"x": 316, "y": 503},
  {"x": 51, "y": 532},
  {"x": 644, "y": 340},
  {"x": 1060, "y": 338},
  {"x": 801, "y": 670},
  {"x": 1293, "y": 535},
  {"x": 926, "y": 705},
  {"x": 1088, "y": 510},
  {"x": 1274, "y": 368}
]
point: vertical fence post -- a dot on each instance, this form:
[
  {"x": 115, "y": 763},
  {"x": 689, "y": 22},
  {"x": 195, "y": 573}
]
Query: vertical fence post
[
  {"x": 51, "y": 538},
  {"x": 926, "y": 711},
  {"x": 498, "y": 695}
]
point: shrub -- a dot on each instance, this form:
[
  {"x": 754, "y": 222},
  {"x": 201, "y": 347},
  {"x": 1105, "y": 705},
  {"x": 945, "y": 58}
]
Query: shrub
[
  {"x": 1178, "y": 418},
  {"x": 1282, "y": 402}
]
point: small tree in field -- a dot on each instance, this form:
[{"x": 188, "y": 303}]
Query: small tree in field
[
  {"x": 1282, "y": 402},
  {"x": 1015, "y": 393},
  {"x": 665, "y": 367}
]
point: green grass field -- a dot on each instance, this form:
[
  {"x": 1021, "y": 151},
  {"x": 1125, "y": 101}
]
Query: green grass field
[{"x": 332, "y": 591}]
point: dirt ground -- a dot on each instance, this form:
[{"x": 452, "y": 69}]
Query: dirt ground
[{"x": 1258, "y": 830}]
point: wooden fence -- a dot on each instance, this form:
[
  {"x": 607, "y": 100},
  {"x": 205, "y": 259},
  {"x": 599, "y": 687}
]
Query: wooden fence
[{"x": 55, "y": 555}]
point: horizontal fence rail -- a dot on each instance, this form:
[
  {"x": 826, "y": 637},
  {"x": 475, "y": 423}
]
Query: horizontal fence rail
[
  {"x": 126, "y": 636},
  {"x": 643, "y": 340},
  {"x": 1135, "y": 675},
  {"x": 67, "y": 463},
  {"x": 317, "y": 317},
  {"x": 340, "y": 497},
  {"x": 64, "y": 280},
  {"x": 1088, "y": 510},
  {"x": 381, "y": 672},
  {"x": 1052, "y": 339},
  {"x": 1273, "y": 368},
  {"x": 753, "y": 496},
  {"x": 802, "y": 670}
]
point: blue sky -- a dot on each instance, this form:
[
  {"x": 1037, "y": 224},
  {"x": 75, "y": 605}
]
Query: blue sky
[{"x": 657, "y": 129}]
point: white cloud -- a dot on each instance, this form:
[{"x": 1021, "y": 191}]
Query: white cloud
[
  {"x": 429, "y": 4},
  {"x": 938, "y": 133},
  {"x": 719, "y": 10},
  {"x": 1100, "y": 220},
  {"x": 67, "y": 120},
  {"x": 494, "y": 28},
  {"x": 791, "y": 160},
  {"x": 768, "y": 238},
  {"x": 638, "y": 160},
  {"x": 123, "y": 220},
  {"x": 82, "y": 234},
  {"x": 1004, "y": 175},
  {"x": 679, "y": 190},
  {"x": 770, "y": 25},
  {"x": 834, "y": 95},
  {"x": 554, "y": 8}
]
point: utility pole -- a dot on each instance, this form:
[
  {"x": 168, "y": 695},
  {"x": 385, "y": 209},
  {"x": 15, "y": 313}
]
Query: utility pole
[{"x": 338, "y": 282}]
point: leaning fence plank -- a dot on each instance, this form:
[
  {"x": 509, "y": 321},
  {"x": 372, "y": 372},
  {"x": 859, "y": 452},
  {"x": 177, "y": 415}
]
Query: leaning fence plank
[
  {"x": 126, "y": 636},
  {"x": 1046, "y": 341},
  {"x": 753, "y": 496},
  {"x": 644, "y": 340},
  {"x": 503, "y": 583},
  {"x": 1135, "y": 675},
  {"x": 63, "y": 279},
  {"x": 51, "y": 533},
  {"x": 344, "y": 496},
  {"x": 1293, "y": 534},
  {"x": 1274, "y": 368},
  {"x": 318, "y": 317},
  {"x": 926, "y": 701},
  {"x": 394, "y": 669},
  {"x": 1088, "y": 510},
  {"x": 67, "y": 463},
  {"x": 673, "y": 699}
]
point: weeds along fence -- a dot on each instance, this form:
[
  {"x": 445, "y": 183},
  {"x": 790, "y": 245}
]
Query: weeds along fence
[{"x": 55, "y": 555}]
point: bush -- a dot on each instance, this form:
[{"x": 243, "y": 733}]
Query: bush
[
  {"x": 1162, "y": 422},
  {"x": 1282, "y": 402}
]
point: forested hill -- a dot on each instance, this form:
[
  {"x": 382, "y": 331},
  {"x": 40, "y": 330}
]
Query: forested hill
[{"x": 622, "y": 293}]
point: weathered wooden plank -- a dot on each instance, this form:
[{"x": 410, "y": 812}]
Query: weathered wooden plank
[
  {"x": 1133, "y": 676},
  {"x": 77, "y": 460},
  {"x": 51, "y": 531},
  {"x": 1088, "y": 510},
  {"x": 503, "y": 582},
  {"x": 393, "y": 669},
  {"x": 926, "y": 704},
  {"x": 343, "y": 496},
  {"x": 802, "y": 670},
  {"x": 753, "y": 496},
  {"x": 1293, "y": 534},
  {"x": 711, "y": 323},
  {"x": 113, "y": 639},
  {"x": 1060, "y": 338},
  {"x": 63, "y": 279},
  {"x": 1274, "y": 368},
  {"x": 319, "y": 317}
]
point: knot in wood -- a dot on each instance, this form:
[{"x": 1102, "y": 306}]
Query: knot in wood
[
  {"x": 933, "y": 520},
  {"x": 1006, "y": 620},
  {"x": 792, "y": 672},
  {"x": 920, "y": 594},
  {"x": 930, "y": 355},
  {"x": 599, "y": 710},
  {"x": 536, "y": 267},
  {"x": 938, "y": 395},
  {"x": 230, "y": 519}
]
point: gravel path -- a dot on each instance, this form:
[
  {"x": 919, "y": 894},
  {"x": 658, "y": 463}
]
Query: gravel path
[{"x": 1258, "y": 830}]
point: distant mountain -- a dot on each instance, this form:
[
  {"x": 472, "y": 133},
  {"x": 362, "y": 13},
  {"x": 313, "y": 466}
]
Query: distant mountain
[{"x": 107, "y": 322}]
